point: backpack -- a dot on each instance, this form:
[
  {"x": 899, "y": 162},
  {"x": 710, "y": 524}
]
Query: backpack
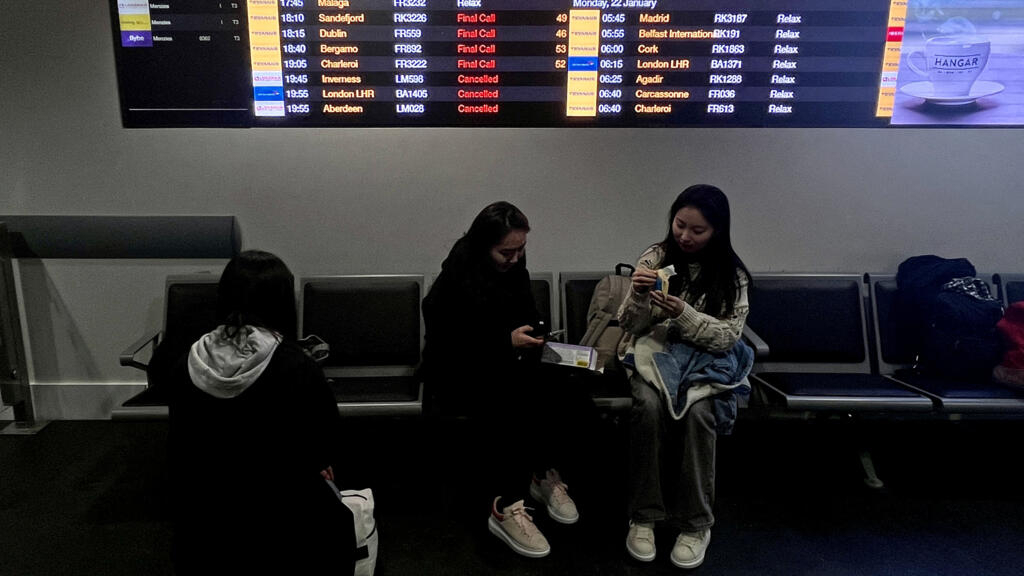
[
  {"x": 919, "y": 280},
  {"x": 951, "y": 318},
  {"x": 961, "y": 340},
  {"x": 603, "y": 331}
]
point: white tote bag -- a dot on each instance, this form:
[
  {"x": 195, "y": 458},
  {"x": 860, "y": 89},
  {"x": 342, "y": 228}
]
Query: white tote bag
[{"x": 360, "y": 502}]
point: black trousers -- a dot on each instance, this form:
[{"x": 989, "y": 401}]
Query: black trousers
[{"x": 519, "y": 421}]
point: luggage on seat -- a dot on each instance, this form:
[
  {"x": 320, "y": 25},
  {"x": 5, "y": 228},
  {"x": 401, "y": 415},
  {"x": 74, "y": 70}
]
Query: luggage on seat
[
  {"x": 603, "y": 331},
  {"x": 951, "y": 318}
]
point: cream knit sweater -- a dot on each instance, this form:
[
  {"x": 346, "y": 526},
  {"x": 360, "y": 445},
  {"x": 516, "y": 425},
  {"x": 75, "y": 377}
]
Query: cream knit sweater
[{"x": 715, "y": 333}]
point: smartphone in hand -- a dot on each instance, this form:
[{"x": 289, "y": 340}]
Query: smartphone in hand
[
  {"x": 540, "y": 330},
  {"x": 544, "y": 332}
]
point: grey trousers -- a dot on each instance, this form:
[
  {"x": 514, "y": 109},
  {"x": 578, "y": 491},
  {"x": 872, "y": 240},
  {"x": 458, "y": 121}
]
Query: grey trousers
[{"x": 672, "y": 462}]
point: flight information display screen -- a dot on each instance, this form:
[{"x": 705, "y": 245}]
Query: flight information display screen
[{"x": 570, "y": 63}]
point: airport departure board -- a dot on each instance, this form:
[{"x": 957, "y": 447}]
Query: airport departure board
[{"x": 569, "y": 63}]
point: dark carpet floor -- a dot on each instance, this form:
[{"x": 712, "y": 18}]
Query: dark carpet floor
[{"x": 88, "y": 498}]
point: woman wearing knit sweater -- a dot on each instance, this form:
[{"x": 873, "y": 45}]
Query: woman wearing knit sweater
[{"x": 686, "y": 364}]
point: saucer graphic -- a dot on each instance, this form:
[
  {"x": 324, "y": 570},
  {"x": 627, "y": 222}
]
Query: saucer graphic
[{"x": 925, "y": 90}]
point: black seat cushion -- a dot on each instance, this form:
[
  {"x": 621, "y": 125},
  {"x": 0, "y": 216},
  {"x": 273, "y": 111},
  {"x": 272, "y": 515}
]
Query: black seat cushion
[
  {"x": 542, "y": 299},
  {"x": 371, "y": 324},
  {"x": 191, "y": 310},
  {"x": 895, "y": 334},
  {"x": 809, "y": 319},
  {"x": 954, "y": 389},
  {"x": 375, "y": 389},
  {"x": 835, "y": 385},
  {"x": 1014, "y": 291},
  {"x": 577, "y": 301}
]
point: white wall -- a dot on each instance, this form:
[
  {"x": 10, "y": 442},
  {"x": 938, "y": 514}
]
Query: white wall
[{"x": 393, "y": 200}]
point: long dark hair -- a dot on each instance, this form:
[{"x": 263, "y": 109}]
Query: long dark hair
[
  {"x": 490, "y": 227},
  {"x": 718, "y": 261},
  {"x": 257, "y": 289}
]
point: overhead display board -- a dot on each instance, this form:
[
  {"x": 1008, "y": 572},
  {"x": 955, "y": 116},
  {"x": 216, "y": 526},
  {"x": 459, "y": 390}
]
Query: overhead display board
[{"x": 570, "y": 63}]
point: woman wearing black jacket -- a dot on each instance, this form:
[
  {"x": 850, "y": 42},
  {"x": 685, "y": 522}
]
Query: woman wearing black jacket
[
  {"x": 253, "y": 426},
  {"x": 481, "y": 359}
]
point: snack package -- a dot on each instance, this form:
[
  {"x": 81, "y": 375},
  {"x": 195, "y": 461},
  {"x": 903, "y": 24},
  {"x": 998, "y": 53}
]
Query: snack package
[{"x": 662, "y": 283}]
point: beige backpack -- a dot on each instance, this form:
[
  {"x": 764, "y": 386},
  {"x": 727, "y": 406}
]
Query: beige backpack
[{"x": 603, "y": 331}]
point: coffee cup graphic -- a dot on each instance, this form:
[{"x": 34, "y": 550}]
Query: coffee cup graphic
[{"x": 952, "y": 63}]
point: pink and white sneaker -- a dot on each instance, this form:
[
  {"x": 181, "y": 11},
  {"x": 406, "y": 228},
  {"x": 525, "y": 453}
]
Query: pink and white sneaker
[
  {"x": 514, "y": 526},
  {"x": 554, "y": 494}
]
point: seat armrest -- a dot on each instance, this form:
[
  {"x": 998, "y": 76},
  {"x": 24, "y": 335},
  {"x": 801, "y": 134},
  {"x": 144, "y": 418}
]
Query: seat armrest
[
  {"x": 127, "y": 357},
  {"x": 760, "y": 346}
]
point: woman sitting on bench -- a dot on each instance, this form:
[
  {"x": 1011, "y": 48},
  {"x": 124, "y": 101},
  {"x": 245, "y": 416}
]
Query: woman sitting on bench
[
  {"x": 685, "y": 314},
  {"x": 482, "y": 358}
]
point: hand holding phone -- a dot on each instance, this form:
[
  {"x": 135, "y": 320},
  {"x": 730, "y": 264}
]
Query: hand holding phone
[{"x": 523, "y": 337}]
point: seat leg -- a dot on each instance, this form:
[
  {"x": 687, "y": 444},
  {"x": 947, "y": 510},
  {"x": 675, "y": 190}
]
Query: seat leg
[{"x": 870, "y": 477}]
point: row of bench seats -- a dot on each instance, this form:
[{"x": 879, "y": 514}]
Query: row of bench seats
[
  {"x": 372, "y": 324},
  {"x": 836, "y": 345},
  {"x": 824, "y": 342}
]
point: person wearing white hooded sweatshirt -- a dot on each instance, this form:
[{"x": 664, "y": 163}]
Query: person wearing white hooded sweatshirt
[{"x": 253, "y": 428}]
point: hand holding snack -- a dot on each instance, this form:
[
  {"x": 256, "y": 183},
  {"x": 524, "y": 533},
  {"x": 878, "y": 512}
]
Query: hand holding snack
[
  {"x": 664, "y": 280},
  {"x": 644, "y": 279}
]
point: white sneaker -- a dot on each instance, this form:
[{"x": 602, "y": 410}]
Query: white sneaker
[
  {"x": 554, "y": 494},
  {"x": 690, "y": 547},
  {"x": 640, "y": 541},
  {"x": 515, "y": 527}
]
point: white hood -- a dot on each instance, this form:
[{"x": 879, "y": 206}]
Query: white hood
[{"x": 224, "y": 367}]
